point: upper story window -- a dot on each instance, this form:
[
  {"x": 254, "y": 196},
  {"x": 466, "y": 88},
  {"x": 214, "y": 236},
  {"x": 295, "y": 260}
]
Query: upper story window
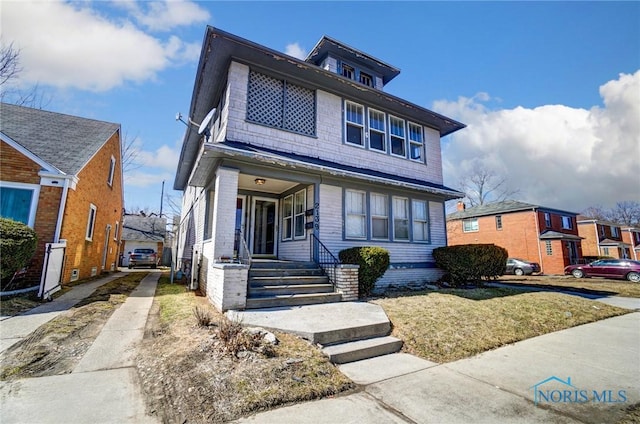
[
  {"x": 377, "y": 131},
  {"x": 348, "y": 71},
  {"x": 112, "y": 171},
  {"x": 91, "y": 221},
  {"x": 278, "y": 103},
  {"x": 397, "y": 135},
  {"x": 415, "y": 142},
  {"x": 366, "y": 79},
  {"x": 498, "y": 222},
  {"x": 567, "y": 223},
  {"x": 470, "y": 225},
  {"x": 354, "y": 121},
  {"x": 547, "y": 219},
  {"x": 614, "y": 231},
  {"x": 19, "y": 201},
  {"x": 601, "y": 230},
  {"x": 115, "y": 233}
]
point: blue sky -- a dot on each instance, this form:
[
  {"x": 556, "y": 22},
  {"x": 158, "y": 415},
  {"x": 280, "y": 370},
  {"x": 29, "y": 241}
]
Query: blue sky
[{"x": 550, "y": 91}]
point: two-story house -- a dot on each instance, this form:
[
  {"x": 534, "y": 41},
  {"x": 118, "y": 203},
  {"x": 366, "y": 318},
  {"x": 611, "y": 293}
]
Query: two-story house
[
  {"x": 304, "y": 158},
  {"x": 535, "y": 233},
  {"x": 603, "y": 238},
  {"x": 631, "y": 236},
  {"x": 62, "y": 176}
]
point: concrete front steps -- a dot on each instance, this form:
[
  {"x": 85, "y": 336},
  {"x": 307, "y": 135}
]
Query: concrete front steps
[
  {"x": 275, "y": 283},
  {"x": 362, "y": 349}
]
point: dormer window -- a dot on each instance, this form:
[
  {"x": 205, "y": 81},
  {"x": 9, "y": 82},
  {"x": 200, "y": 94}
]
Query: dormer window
[
  {"x": 366, "y": 79},
  {"x": 348, "y": 71}
]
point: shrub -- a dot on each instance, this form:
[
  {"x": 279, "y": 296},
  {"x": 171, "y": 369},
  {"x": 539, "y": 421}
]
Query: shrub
[
  {"x": 471, "y": 262},
  {"x": 17, "y": 245},
  {"x": 373, "y": 262},
  {"x": 203, "y": 316}
]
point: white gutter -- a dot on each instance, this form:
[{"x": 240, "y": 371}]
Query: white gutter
[
  {"x": 595, "y": 229},
  {"x": 63, "y": 203},
  {"x": 535, "y": 214}
]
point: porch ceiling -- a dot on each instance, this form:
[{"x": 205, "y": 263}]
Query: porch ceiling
[{"x": 271, "y": 185}]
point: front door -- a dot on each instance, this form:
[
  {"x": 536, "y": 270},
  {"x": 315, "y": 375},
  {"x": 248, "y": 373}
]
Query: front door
[{"x": 264, "y": 220}]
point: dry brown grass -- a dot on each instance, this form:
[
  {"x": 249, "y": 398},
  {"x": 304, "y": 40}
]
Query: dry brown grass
[
  {"x": 448, "y": 325},
  {"x": 194, "y": 373},
  {"x": 602, "y": 286}
]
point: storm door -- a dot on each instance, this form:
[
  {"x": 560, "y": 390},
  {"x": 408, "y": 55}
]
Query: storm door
[{"x": 264, "y": 219}]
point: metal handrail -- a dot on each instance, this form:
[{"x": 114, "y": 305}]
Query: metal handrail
[
  {"x": 243, "y": 254},
  {"x": 324, "y": 258}
]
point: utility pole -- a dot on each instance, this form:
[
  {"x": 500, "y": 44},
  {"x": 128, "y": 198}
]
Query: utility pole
[{"x": 161, "y": 198}]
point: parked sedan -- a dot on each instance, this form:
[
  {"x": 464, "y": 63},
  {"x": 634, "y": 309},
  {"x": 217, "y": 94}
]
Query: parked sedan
[
  {"x": 521, "y": 267},
  {"x": 607, "y": 268},
  {"x": 143, "y": 257}
]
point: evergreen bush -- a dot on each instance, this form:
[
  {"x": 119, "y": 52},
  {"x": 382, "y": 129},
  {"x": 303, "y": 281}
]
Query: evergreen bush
[{"x": 373, "y": 262}]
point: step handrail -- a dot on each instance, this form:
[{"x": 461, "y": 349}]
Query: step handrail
[
  {"x": 324, "y": 258},
  {"x": 243, "y": 252}
]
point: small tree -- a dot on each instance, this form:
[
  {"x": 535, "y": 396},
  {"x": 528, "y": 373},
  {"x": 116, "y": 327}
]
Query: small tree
[{"x": 17, "y": 246}]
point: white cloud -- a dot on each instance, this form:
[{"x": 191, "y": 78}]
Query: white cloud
[
  {"x": 71, "y": 45},
  {"x": 295, "y": 50},
  {"x": 557, "y": 156},
  {"x": 166, "y": 15}
]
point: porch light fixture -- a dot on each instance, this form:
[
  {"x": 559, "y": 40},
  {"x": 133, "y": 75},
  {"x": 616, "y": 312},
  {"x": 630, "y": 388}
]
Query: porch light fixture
[{"x": 260, "y": 181}]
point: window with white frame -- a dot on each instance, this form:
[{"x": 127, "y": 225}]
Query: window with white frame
[
  {"x": 400, "y": 218},
  {"x": 566, "y": 223},
  {"x": 420, "y": 220},
  {"x": 547, "y": 219},
  {"x": 354, "y": 123},
  {"x": 416, "y": 142},
  {"x": 348, "y": 71},
  {"x": 366, "y": 79},
  {"x": 614, "y": 231},
  {"x": 397, "y": 135},
  {"x": 356, "y": 214},
  {"x": 91, "y": 221},
  {"x": 377, "y": 130},
  {"x": 470, "y": 225},
  {"x": 379, "y": 216},
  {"x": 19, "y": 202},
  {"x": 115, "y": 233},
  {"x": 299, "y": 206},
  {"x": 287, "y": 218},
  {"x": 112, "y": 171}
]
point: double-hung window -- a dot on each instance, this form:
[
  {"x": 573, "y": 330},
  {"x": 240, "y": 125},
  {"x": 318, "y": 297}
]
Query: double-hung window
[
  {"x": 356, "y": 214},
  {"x": 566, "y": 223},
  {"x": 348, "y": 71},
  {"x": 379, "y": 216},
  {"x": 416, "y": 142},
  {"x": 376, "y": 130},
  {"x": 397, "y": 134},
  {"x": 366, "y": 79},
  {"x": 354, "y": 122},
  {"x": 547, "y": 219},
  {"x": 91, "y": 221},
  {"x": 293, "y": 213},
  {"x": 614, "y": 231},
  {"x": 470, "y": 225},
  {"x": 400, "y": 218},
  {"x": 287, "y": 218},
  {"x": 420, "y": 220}
]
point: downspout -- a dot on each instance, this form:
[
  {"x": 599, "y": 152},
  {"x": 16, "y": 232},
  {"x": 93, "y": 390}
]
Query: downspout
[
  {"x": 63, "y": 203},
  {"x": 535, "y": 214},
  {"x": 595, "y": 230}
]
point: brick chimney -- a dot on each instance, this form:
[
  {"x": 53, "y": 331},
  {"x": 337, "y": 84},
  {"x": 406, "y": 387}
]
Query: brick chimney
[{"x": 461, "y": 206}]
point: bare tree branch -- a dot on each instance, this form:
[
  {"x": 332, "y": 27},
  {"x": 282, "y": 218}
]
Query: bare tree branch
[
  {"x": 10, "y": 69},
  {"x": 482, "y": 185},
  {"x": 9, "y": 63},
  {"x": 626, "y": 212},
  {"x": 130, "y": 153}
]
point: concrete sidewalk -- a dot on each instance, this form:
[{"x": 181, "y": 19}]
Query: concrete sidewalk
[
  {"x": 599, "y": 361},
  {"x": 104, "y": 386},
  {"x": 13, "y": 329}
]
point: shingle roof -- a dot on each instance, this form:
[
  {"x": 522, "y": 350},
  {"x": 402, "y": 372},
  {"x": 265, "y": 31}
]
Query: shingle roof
[
  {"x": 555, "y": 235},
  {"x": 64, "y": 141},
  {"x": 500, "y": 207},
  {"x": 140, "y": 228}
]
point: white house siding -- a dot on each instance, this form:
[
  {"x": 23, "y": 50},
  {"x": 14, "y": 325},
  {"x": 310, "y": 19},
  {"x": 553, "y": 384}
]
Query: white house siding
[
  {"x": 297, "y": 250},
  {"x": 404, "y": 257},
  {"x": 328, "y": 143}
]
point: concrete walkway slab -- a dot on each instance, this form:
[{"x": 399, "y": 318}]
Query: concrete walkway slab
[
  {"x": 384, "y": 367},
  {"x": 111, "y": 396},
  {"x": 13, "y": 329},
  {"x": 115, "y": 346},
  {"x": 358, "y": 408},
  {"x": 317, "y": 322}
]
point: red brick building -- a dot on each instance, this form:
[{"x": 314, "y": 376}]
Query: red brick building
[
  {"x": 604, "y": 238},
  {"x": 531, "y": 232},
  {"x": 62, "y": 176}
]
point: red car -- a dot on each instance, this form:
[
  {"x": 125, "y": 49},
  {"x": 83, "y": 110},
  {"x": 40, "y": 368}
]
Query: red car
[{"x": 607, "y": 268}]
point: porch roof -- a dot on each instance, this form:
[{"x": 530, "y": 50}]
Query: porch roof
[
  {"x": 555, "y": 235},
  {"x": 609, "y": 242},
  {"x": 215, "y": 151}
]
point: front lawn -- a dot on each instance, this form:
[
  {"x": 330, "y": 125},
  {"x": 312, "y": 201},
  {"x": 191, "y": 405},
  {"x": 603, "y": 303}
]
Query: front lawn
[
  {"x": 447, "y": 325},
  {"x": 602, "y": 286}
]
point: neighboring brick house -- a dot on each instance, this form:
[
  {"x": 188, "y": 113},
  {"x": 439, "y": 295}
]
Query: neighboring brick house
[
  {"x": 535, "y": 233},
  {"x": 62, "y": 176},
  {"x": 303, "y": 150},
  {"x": 604, "y": 238},
  {"x": 142, "y": 232},
  {"x": 631, "y": 235}
]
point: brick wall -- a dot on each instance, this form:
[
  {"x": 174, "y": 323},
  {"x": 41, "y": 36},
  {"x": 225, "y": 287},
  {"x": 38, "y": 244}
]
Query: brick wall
[
  {"x": 589, "y": 232},
  {"x": 92, "y": 188}
]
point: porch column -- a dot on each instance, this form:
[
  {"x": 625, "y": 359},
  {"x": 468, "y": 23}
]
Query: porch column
[{"x": 224, "y": 212}]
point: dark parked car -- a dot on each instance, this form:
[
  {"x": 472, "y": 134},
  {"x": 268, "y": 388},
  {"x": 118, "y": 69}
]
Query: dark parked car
[
  {"x": 143, "y": 257},
  {"x": 521, "y": 267},
  {"x": 607, "y": 268}
]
